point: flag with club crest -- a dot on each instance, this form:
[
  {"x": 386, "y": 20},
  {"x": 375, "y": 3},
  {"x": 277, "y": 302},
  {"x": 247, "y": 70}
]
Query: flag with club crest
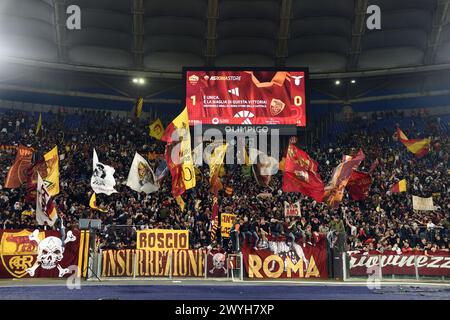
[
  {"x": 102, "y": 180},
  {"x": 141, "y": 177}
]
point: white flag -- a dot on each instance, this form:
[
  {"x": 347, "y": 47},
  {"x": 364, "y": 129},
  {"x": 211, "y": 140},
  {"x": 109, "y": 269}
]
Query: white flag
[
  {"x": 423, "y": 204},
  {"x": 102, "y": 180},
  {"x": 292, "y": 209},
  {"x": 45, "y": 208},
  {"x": 264, "y": 166},
  {"x": 141, "y": 177}
]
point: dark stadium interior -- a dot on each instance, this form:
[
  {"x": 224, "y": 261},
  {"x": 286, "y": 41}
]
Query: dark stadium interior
[{"x": 363, "y": 86}]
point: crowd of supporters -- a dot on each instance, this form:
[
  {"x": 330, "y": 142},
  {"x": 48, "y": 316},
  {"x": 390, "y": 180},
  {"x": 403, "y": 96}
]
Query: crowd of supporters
[{"x": 384, "y": 221}]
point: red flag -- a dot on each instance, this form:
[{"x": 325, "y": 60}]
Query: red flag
[
  {"x": 17, "y": 174},
  {"x": 359, "y": 184},
  {"x": 172, "y": 158},
  {"x": 334, "y": 191},
  {"x": 301, "y": 174},
  {"x": 374, "y": 166}
]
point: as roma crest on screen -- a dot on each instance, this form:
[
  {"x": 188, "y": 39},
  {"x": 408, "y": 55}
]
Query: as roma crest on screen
[{"x": 276, "y": 107}]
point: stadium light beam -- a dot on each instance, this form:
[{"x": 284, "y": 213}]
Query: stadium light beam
[
  {"x": 337, "y": 82},
  {"x": 353, "y": 81}
]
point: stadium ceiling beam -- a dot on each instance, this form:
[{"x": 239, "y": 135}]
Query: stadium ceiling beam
[
  {"x": 4, "y": 87},
  {"x": 439, "y": 17},
  {"x": 178, "y": 76},
  {"x": 59, "y": 11},
  {"x": 138, "y": 33},
  {"x": 410, "y": 95},
  {"x": 358, "y": 28},
  {"x": 283, "y": 32},
  {"x": 211, "y": 32}
]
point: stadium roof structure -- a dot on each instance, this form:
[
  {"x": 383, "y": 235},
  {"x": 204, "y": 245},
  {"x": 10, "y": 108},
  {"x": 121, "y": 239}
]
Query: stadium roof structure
[{"x": 154, "y": 39}]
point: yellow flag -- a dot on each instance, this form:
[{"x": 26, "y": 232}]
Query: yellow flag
[
  {"x": 156, "y": 129},
  {"x": 181, "y": 123},
  {"x": 138, "y": 108},
  {"x": 52, "y": 179},
  {"x": 180, "y": 202},
  {"x": 93, "y": 203},
  {"x": 39, "y": 124},
  {"x": 215, "y": 164}
]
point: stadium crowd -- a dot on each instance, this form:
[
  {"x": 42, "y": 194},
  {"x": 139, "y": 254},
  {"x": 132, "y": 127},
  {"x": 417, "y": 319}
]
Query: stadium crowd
[{"x": 384, "y": 221}]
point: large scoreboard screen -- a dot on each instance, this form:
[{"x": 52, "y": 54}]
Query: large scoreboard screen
[{"x": 246, "y": 96}]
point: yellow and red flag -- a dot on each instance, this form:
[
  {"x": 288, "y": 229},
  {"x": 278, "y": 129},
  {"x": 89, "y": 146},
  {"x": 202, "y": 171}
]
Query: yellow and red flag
[
  {"x": 179, "y": 153},
  {"x": 399, "y": 186},
  {"x": 420, "y": 147},
  {"x": 93, "y": 203}
]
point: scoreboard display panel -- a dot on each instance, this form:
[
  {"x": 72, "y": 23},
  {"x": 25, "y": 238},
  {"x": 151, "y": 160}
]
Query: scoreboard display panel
[{"x": 246, "y": 96}]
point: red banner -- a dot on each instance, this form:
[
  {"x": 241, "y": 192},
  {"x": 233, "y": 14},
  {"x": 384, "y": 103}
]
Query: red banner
[
  {"x": 282, "y": 260},
  {"x": 359, "y": 184},
  {"x": 27, "y": 254},
  {"x": 392, "y": 263}
]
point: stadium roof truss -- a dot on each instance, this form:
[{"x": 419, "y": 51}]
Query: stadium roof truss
[{"x": 120, "y": 39}]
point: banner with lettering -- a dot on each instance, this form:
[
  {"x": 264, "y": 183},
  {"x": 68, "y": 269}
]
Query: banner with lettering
[
  {"x": 278, "y": 259},
  {"x": 162, "y": 239},
  {"x": 292, "y": 209},
  {"x": 163, "y": 263},
  {"x": 226, "y": 220},
  {"x": 435, "y": 264},
  {"x": 42, "y": 254}
]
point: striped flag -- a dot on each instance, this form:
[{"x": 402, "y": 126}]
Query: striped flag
[
  {"x": 399, "y": 186},
  {"x": 420, "y": 147}
]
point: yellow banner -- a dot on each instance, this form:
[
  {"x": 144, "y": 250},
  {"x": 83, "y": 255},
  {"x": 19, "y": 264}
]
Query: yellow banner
[
  {"x": 187, "y": 163},
  {"x": 52, "y": 178},
  {"x": 161, "y": 239},
  {"x": 226, "y": 221}
]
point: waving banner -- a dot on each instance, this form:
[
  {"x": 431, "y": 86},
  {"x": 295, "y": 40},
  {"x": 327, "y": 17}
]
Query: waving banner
[{"x": 102, "y": 180}]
